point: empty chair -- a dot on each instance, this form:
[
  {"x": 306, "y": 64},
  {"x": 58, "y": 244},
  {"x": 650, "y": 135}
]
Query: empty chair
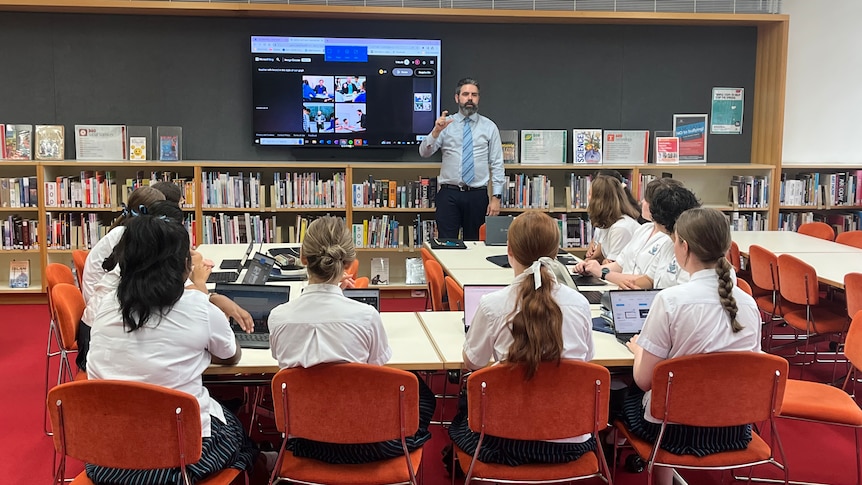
[
  {"x": 482, "y": 232},
  {"x": 361, "y": 282},
  {"x": 850, "y": 238},
  {"x": 436, "y": 285},
  {"x": 763, "y": 264},
  {"x": 734, "y": 257},
  {"x": 79, "y": 257},
  {"x": 743, "y": 285},
  {"x": 353, "y": 269},
  {"x": 55, "y": 273},
  {"x": 817, "y": 229},
  {"x": 455, "y": 294}
]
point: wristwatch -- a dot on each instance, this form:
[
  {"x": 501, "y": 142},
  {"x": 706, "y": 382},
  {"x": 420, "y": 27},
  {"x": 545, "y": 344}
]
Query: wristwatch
[
  {"x": 498, "y": 196},
  {"x": 605, "y": 272}
]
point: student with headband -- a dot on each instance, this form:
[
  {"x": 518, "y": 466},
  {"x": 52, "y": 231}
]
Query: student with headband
[{"x": 533, "y": 320}]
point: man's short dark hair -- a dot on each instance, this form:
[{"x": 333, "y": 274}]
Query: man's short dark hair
[
  {"x": 467, "y": 80},
  {"x": 669, "y": 202},
  {"x": 171, "y": 191}
]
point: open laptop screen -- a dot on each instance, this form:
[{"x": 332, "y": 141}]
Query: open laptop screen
[
  {"x": 629, "y": 309},
  {"x": 258, "y": 300},
  {"x": 370, "y": 296},
  {"x": 472, "y": 294}
]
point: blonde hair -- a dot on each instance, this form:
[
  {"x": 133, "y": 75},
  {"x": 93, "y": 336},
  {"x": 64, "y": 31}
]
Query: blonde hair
[
  {"x": 608, "y": 202},
  {"x": 537, "y": 321},
  {"x": 708, "y": 236},
  {"x": 328, "y": 248}
]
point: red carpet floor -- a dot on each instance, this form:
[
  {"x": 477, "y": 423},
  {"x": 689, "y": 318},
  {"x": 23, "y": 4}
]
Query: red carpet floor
[{"x": 815, "y": 453}]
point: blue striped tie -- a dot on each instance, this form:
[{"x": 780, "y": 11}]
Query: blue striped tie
[{"x": 467, "y": 154}]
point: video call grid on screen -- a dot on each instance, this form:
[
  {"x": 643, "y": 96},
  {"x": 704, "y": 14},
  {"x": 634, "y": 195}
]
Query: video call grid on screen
[{"x": 358, "y": 92}]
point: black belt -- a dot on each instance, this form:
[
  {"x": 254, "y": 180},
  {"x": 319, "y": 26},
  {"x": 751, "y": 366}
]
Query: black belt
[{"x": 463, "y": 188}]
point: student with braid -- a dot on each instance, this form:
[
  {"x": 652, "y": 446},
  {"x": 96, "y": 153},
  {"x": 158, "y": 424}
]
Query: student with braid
[
  {"x": 533, "y": 320},
  {"x": 707, "y": 314}
]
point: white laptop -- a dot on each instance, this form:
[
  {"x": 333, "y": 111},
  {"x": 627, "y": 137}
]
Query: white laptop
[
  {"x": 472, "y": 294},
  {"x": 629, "y": 309}
]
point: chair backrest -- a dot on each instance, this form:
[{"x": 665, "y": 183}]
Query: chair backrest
[
  {"x": 853, "y": 341},
  {"x": 482, "y": 231},
  {"x": 734, "y": 257},
  {"x": 436, "y": 285},
  {"x": 853, "y": 292},
  {"x": 79, "y": 258},
  {"x": 56, "y": 273},
  {"x": 744, "y": 286},
  {"x": 797, "y": 281},
  {"x": 678, "y": 385},
  {"x": 346, "y": 403},
  {"x": 763, "y": 264},
  {"x": 817, "y": 229},
  {"x": 104, "y": 422},
  {"x": 68, "y": 307},
  {"x": 425, "y": 254},
  {"x": 560, "y": 401},
  {"x": 353, "y": 268},
  {"x": 455, "y": 294},
  {"x": 850, "y": 238},
  {"x": 361, "y": 282}
]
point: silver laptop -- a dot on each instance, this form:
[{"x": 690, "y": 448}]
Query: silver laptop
[
  {"x": 258, "y": 301},
  {"x": 472, "y": 295},
  {"x": 233, "y": 274},
  {"x": 497, "y": 230},
  {"x": 370, "y": 296},
  {"x": 629, "y": 309}
]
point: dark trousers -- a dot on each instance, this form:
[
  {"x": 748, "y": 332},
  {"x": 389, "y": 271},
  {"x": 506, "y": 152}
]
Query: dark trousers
[
  {"x": 457, "y": 210},
  {"x": 83, "y": 338}
]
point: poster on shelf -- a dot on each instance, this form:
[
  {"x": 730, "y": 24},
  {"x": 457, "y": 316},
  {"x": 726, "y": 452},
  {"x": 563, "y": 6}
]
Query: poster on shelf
[
  {"x": 727, "y": 107},
  {"x": 691, "y": 131}
]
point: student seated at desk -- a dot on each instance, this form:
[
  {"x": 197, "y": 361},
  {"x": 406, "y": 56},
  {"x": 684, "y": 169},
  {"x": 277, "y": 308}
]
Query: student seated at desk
[
  {"x": 613, "y": 216},
  {"x": 322, "y": 326},
  {"x": 152, "y": 329},
  {"x": 707, "y": 314},
  {"x": 533, "y": 320}
]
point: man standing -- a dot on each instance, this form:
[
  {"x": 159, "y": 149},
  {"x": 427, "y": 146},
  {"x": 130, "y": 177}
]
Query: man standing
[
  {"x": 306, "y": 119},
  {"x": 361, "y": 118},
  {"x": 472, "y": 157}
]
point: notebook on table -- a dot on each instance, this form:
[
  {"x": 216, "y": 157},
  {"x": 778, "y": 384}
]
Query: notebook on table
[
  {"x": 472, "y": 294},
  {"x": 629, "y": 310},
  {"x": 369, "y": 296},
  {"x": 233, "y": 274},
  {"x": 259, "y": 302},
  {"x": 497, "y": 230}
]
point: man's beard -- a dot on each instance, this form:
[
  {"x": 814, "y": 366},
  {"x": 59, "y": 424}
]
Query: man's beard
[{"x": 468, "y": 109}]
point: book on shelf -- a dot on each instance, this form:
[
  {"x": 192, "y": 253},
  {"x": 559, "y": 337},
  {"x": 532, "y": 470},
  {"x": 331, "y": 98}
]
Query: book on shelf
[
  {"x": 587, "y": 146},
  {"x": 543, "y": 147},
  {"x": 379, "y": 271},
  {"x": 50, "y": 142},
  {"x": 625, "y": 147},
  {"x": 100, "y": 142},
  {"x": 414, "y": 271},
  {"x": 17, "y": 142},
  {"x": 140, "y": 142},
  {"x": 509, "y": 141},
  {"x": 666, "y": 150},
  {"x": 170, "y": 143},
  {"x": 19, "y": 273}
]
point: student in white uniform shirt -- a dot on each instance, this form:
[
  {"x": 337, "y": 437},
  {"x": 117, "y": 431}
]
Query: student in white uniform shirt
[
  {"x": 153, "y": 329},
  {"x": 534, "y": 304},
  {"x": 640, "y": 256},
  {"x": 612, "y": 216},
  {"x": 705, "y": 315},
  {"x": 322, "y": 325}
]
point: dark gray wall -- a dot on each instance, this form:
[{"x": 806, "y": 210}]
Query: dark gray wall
[{"x": 195, "y": 72}]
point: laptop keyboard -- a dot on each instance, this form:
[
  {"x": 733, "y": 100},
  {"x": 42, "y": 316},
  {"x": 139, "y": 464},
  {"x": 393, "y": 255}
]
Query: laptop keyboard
[
  {"x": 222, "y": 277},
  {"x": 594, "y": 297},
  {"x": 253, "y": 340}
]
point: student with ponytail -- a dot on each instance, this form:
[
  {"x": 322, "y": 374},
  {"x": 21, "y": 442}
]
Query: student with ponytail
[
  {"x": 707, "y": 314},
  {"x": 613, "y": 217},
  {"x": 533, "y": 320}
]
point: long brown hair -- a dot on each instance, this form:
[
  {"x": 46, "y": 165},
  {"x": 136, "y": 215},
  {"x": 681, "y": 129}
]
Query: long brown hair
[
  {"x": 608, "y": 202},
  {"x": 537, "y": 320},
  {"x": 708, "y": 236}
]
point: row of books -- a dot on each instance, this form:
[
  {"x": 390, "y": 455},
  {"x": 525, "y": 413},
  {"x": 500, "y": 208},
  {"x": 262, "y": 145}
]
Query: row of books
[
  {"x": 19, "y": 192},
  {"x": 71, "y": 230},
  {"x": 841, "y": 222},
  {"x": 525, "y": 192},
  {"x": 308, "y": 190},
  {"x": 821, "y": 190},
  {"x": 387, "y": 193},
  {"x": 99, "y": 188},
  {"x": 20, "y": 233},
  {"x": 575, "y": 232},
  {"x": 240, "y": 228},
  {"x": 387, "y": 232},
  {"x": 751, "y": 221},
  {"x": 749, "y": 191}
]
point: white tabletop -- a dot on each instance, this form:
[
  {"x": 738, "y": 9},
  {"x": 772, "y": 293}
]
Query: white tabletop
[
  {"x": 789, "y": 242},
  {"x": 447, "y": 332},
  {"x": 831, "y": 267},
  {"x": 471, "y": 258},
  {"x": 219, "y": 252},
  {"x": 411, "y": 349}
]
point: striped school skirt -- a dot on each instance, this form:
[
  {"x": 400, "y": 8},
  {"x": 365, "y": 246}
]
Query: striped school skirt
[
  {"x": 680, "y": 439},
  {"x": 227, "y": 447}
]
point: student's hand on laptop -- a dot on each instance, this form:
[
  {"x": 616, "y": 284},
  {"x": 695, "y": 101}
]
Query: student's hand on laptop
[
  {"x": 632, "y": 344},
  {"x": 232, "y": 310}
]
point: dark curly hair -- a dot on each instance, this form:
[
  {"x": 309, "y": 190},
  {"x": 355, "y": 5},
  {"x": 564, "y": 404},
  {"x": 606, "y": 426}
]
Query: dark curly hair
[{"x": 669, "y": 202}]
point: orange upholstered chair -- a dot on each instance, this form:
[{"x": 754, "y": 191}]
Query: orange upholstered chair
[
  {"x": 482, "y": 231},
  {"x": 798, "y": 284},
  {"x": 102, "y": 422},
  {"x": 426, "y": 254},
  {"x": 734, "y": 257},
  {"x": 55, "y": 273},
  {"x": 352, "y": 269},
  {"x": 347, "y": 404},
  {"x": 569, "y": 399},
  {"x": 743, "y": 285},
  {"x": 763, "y": 264},
  {"x": 678, "y": 397},
  {"x": 850, "y": 238},
  {"x": 455, "y": 294},
  {"x": 79, "y": 257},
  {"x": 361, "y": 282},
  {"x": 436, "y": 285},
  {"x": 817, "y": 229}
]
